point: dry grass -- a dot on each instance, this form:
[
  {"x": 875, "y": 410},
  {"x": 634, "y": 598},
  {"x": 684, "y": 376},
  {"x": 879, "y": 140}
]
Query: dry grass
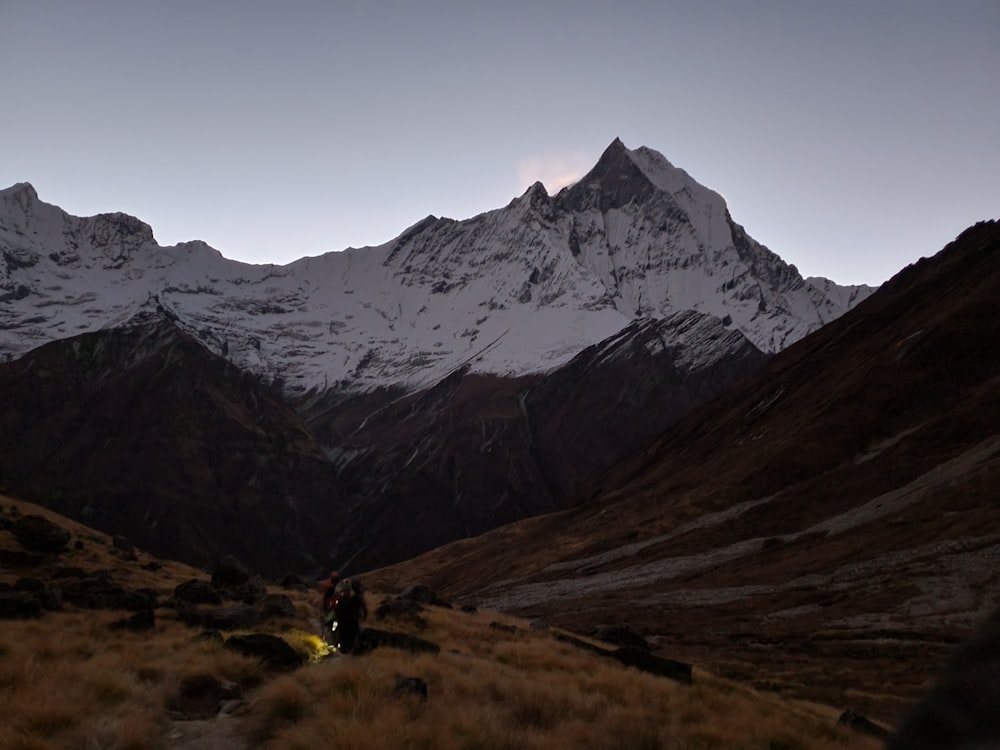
[
  {"x": 488, "y": 689},
  {"x": 68, "y": 681}
]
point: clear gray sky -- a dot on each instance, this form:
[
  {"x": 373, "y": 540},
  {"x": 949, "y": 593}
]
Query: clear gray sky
[{"x": 850, "y": 137}]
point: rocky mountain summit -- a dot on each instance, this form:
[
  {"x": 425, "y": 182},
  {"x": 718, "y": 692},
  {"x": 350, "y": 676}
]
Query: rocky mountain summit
[{"x": 517, "y": 290}]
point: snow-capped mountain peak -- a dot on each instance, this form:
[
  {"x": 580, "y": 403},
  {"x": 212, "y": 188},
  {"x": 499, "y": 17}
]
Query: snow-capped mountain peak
[{"x": 518, "y": 289}]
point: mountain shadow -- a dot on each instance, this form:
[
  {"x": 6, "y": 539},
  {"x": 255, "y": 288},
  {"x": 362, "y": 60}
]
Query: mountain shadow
[{"x": 141, "y": 431}]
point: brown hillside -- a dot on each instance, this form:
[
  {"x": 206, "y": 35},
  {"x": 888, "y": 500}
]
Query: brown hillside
[{"x": 830, "y": 529}]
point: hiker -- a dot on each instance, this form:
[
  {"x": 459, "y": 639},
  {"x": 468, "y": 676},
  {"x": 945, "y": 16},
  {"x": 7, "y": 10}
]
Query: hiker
[
  {"x": 328, "y": 590},
  {"x": 350, "y": 608}
]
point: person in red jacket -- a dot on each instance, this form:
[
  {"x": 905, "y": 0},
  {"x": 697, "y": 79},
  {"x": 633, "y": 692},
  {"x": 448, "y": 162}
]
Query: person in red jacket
[{"x": 328, "y": 599}]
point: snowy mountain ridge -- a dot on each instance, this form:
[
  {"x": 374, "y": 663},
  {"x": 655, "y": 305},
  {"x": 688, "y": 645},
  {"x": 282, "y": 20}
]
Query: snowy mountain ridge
[{"x": 514, "y": 290}]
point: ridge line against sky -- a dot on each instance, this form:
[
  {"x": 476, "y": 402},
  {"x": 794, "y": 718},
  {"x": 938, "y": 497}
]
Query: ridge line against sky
[{"x": 851, "y": 139}]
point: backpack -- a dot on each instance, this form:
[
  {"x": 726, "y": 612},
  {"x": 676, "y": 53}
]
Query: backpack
[{"x": 344, "y": 590}]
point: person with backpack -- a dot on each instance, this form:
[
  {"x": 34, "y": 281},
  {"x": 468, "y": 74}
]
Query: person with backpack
[
  {"x": 328, "y": 618},
  {"x": 350, "y": 608}
]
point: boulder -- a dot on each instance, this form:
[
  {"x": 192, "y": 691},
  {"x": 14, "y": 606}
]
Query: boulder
[
  {"x": 38, "y": 534},
  {"x": 15, "y": 605},
  {"x": 250, "y": 591},
  {"x": 229, "y": 618},
  {"x": 272, "y": 650},
  {"x": 99, "y": 592},
  {"x": 229, "y": 573},
  {"x": 622, "y": 635},
  {"x": 276, "y": 606},
  {"x": 636, "y": 657},
  {"x": 197, "y": 591},
  {"x": 372, "y": 638},
  {"x": 647, "y": 662}
]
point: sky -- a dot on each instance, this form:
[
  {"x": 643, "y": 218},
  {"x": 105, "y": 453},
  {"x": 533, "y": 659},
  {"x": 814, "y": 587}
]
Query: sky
[{"x": 851, "y": 138}]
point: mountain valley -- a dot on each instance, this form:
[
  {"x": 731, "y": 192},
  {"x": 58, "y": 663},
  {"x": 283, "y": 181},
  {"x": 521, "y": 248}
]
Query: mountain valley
[{"x": 607, "y": 406}]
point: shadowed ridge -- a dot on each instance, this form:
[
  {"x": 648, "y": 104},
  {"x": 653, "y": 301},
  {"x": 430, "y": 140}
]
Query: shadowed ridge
[{"x": 166, "y": 443}]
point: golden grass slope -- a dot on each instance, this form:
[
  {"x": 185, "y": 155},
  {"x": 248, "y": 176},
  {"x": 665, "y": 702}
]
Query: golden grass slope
[{"x": 68, "y": 681}]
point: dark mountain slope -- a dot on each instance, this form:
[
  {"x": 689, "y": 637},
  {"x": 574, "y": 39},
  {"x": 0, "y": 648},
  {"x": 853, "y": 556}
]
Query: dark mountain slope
[
  {"x": 829, "y": 528},
  {"x": 615, "y": 397},
  {"x": 476, "y": 451},
  {"x": 141, "y": 431}
]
